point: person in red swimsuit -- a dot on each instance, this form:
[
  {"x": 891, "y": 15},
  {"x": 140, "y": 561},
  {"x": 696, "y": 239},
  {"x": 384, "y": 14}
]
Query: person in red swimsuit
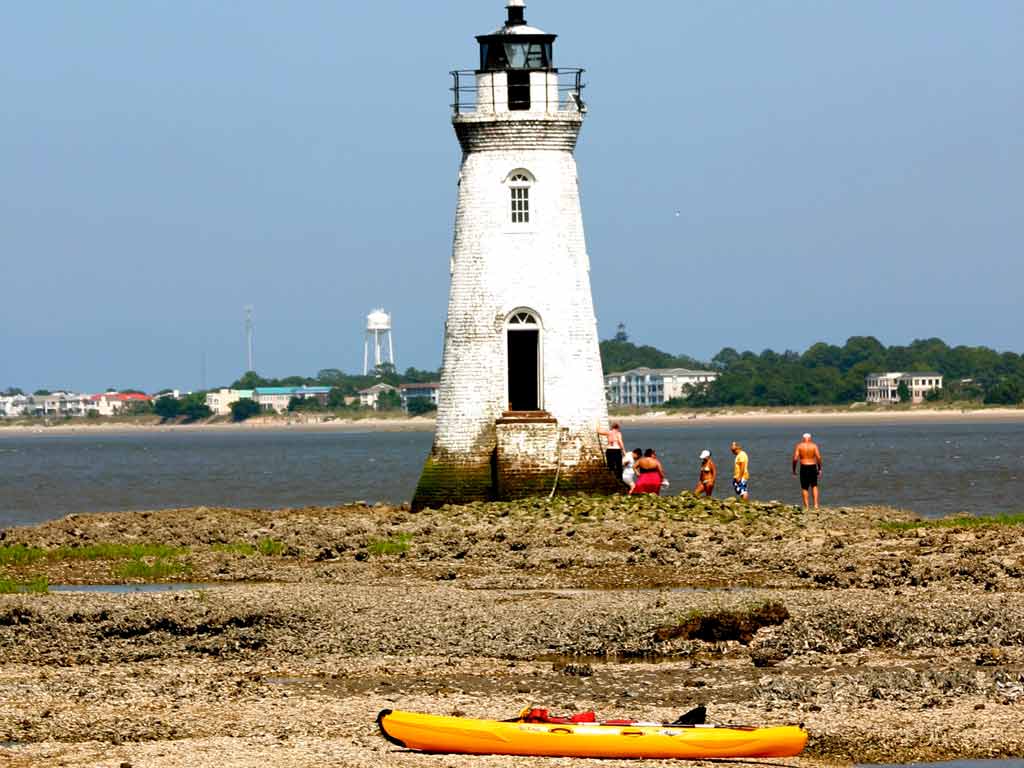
[{"x": 649, "y": 474}]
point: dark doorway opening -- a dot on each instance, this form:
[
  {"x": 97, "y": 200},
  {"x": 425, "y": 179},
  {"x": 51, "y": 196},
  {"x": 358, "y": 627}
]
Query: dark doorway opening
[
  {"x": 524, "y": 370},
  {"x": 518, "y": 90}
]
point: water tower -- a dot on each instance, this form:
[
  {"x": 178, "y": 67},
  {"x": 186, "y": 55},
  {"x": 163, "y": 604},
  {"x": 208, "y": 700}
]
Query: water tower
[
  {"x": 378, "y": 341},
  {"x": 522, "y": 392}
]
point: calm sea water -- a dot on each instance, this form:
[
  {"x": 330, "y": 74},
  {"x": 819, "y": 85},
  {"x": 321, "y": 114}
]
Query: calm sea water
[{"x": 931, "y": 468}]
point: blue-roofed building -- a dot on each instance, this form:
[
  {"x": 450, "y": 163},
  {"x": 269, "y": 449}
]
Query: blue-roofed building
[{"x": 278, "y": 398}]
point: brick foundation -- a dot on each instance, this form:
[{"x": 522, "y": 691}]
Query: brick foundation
[
  {"x": 452, "y": 479},
  {"x": 532, "y": 456}
]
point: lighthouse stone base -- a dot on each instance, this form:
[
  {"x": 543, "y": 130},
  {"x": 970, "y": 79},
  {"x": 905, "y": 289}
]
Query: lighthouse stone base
[{"x": 532, "y": 456}]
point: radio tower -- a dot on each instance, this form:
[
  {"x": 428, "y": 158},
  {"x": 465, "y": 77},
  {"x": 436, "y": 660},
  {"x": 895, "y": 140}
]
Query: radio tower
[{"x": 250, "y": 330}]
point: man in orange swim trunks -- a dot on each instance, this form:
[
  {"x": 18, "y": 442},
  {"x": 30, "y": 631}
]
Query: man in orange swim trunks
[{"x": 808, "y": 457}]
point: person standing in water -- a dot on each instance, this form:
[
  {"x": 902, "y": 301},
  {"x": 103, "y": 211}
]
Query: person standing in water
[
  {"x": 650, "y": 474},
  {"x": 708, "y": 475},
  {"x": 628, "y": 473},
  {"x": 740, "y": 472},
  {"x": 808, "y": 456},
  {"x": 613, "y": 453}
]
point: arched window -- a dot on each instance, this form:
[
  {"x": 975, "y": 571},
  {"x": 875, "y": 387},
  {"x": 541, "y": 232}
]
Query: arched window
[
  {"x": 523, "y": 317},
  {"x": 519, "y": 183}
]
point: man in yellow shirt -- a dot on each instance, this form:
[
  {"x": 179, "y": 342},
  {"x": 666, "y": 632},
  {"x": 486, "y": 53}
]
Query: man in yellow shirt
[{"x": 740, "y": 471}]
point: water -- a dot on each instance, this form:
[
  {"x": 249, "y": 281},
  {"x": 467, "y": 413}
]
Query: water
[
  {"x": 929, "y": 467},
  {"x": 124, "y": 589}
]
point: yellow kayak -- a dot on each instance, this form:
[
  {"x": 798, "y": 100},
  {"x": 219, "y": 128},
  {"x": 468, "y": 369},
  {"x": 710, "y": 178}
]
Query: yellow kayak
[{"x": 562, "y": 737}]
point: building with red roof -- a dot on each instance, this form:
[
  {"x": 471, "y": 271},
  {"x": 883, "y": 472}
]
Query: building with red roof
[{"x": 111, "y": 403}]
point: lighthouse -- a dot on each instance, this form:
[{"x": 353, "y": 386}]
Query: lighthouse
[{"x": 522, "y": 393}]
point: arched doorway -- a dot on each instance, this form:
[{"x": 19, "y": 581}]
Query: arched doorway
[{"x": 525, "y": 382}]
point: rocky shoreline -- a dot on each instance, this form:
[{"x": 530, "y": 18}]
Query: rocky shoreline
[{"x": 893, "y": 640}]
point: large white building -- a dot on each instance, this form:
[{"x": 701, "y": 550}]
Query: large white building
[
  {"x": 522, "y": 391},
  {"x": 220, "y": 401},
  {"x": 71, "y": 404},
  {"x": 12, "y": 406},
  {"x": 279, "y": 398},
  {"x": 884, "y": 387},
  {"x": 418, "y": 391},
  {"x": 58, "y": 405},
  {"x": 653, "y": 386}
]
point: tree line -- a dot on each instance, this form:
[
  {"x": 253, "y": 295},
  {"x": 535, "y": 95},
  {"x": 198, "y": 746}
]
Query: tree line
[
  {"x": 826, "y": 374},
  {"x": 347, "y": 384}
]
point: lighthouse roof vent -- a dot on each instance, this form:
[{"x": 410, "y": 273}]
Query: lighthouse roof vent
[
  {"x": 516, "y": 45},
  {"x": 521, "y": 29}
]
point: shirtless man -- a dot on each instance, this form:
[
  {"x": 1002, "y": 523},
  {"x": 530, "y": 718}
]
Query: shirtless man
[
  {"x": 616, "y": 447},
  {"x": 807, "y": 455}
]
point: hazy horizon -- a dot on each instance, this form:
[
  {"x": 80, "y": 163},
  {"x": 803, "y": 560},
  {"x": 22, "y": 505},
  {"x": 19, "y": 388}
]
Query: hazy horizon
[{"x": 753, "y": 177}]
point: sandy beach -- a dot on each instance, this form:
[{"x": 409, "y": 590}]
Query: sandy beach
[
  {"x": 891, "y": 639},
  {"x": 808, "y": 416}
]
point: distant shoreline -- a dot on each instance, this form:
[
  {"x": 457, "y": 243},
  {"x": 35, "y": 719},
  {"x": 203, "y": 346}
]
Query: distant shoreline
[
  {"x": 411, "y": 424},
  {"x": 808, "y": 417},
  {"x": 836, "y": 416}
]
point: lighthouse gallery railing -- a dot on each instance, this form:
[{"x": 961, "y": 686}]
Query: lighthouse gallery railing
[{"x": 467, "y": 91}]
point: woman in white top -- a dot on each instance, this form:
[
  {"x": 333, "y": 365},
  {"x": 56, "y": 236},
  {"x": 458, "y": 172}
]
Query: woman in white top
[{"x": 628, "y": 473}]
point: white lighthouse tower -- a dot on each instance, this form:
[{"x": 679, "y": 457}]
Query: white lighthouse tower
[{"x": 522, "y": 394}]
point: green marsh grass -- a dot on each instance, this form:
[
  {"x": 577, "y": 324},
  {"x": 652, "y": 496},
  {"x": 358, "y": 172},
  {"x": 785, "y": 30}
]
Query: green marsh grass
[
  {"x": 19, "y": 554},
  {"x": 265, "y": 546},
  {"x": 236, "y": 548},
  {"x": 158, "y": 569},
  {"x": 956, "y": 522},
  {"x": 116, "y": 552},
  {"x": 393, "y": 545},
  {"x": 270, "y": 547},
  {"x": 150, "y": 562},
  {"x": 39, "y": 585}
]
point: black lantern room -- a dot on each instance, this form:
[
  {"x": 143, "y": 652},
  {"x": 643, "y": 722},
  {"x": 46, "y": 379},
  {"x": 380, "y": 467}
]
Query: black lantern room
[{"x": 517, "y": 49}]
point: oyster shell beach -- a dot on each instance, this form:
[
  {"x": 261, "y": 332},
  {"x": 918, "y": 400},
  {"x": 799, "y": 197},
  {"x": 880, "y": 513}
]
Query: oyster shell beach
[{"x": 893, "y": 639}]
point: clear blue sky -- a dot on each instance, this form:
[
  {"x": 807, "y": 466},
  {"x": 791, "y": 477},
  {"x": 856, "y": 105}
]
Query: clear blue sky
[{"x": 839, "y": 168}]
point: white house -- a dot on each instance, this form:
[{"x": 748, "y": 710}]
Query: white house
[
  {"x": 278, "y": 398},
  {"x": 111, "y": 403},
  {"x": 59, "y": 404},
  {"x": 220, "y": 401},
  {"x": 884, "y": 387},
  {"x": 653, "y": 386},
  {"x": 368, "y": 397},
  {"x": 427, "y": 391},
  {"x": 12, "y": 406}
]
